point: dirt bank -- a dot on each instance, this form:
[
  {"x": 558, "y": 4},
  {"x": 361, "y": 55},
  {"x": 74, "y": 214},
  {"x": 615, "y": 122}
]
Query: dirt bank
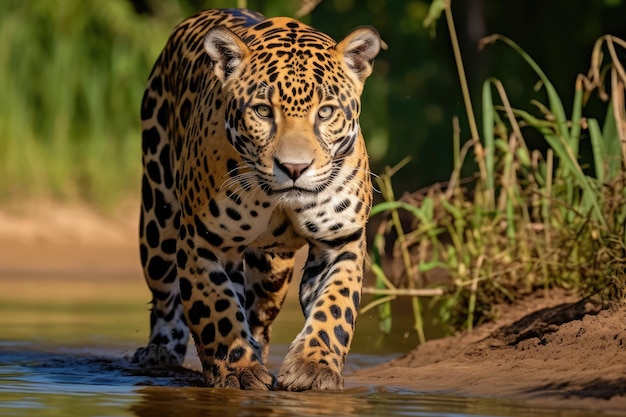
[{"x": 550, "y": 349}]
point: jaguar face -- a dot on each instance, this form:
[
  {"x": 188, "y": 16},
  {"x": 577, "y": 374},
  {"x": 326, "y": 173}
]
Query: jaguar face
[{"x": 292, "y": 113}]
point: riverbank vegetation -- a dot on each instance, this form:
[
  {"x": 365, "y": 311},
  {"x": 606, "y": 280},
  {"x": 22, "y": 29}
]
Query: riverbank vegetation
[{"x": 522, "y": 219}]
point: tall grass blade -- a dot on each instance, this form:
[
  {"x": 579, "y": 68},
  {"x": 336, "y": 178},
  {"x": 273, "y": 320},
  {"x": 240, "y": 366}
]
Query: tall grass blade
[
  {"x": 488, "y": 138},
  {"x": 600, "y": 160},
  {"x": 611, "y": 144},
  {"x": 556, "y": 106}
]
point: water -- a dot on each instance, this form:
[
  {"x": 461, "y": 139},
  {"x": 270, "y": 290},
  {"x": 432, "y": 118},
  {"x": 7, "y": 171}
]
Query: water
[
  {"x": 64, "y": 348},
  {"x": 99, "y": 382}
]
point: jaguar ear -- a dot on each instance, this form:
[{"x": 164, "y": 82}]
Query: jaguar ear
[
  {"x": 226, "y": 50},
  {"x": 358, "y": 49}
]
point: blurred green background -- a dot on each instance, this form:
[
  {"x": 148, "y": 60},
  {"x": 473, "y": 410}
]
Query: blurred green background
[{"x": 72, "y": 74}]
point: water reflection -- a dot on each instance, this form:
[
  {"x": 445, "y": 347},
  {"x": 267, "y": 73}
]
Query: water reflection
[
  {"x": 360, "y": 401},
  {"x": 88, "y": 382},
  {"x": 159, "y": 401}
]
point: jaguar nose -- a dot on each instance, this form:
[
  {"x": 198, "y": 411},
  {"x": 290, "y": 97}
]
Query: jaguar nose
[{"x": 293, "y": 170}]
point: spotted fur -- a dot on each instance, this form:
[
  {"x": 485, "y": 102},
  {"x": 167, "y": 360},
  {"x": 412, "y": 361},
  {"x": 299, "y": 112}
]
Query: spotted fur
[{"x": 252, "y": 150}]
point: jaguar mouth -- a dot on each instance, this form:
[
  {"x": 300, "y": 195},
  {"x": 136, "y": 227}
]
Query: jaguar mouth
[
  {"x": 294, "y": 190},
  {"x": 290, "y": 190}
]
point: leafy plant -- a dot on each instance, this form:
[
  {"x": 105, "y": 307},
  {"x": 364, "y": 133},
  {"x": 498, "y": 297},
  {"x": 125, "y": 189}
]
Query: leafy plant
[{"x": 526, "y": 220}]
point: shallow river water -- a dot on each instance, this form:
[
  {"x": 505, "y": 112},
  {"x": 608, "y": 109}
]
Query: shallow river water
[{"x": 67, "y": 355}]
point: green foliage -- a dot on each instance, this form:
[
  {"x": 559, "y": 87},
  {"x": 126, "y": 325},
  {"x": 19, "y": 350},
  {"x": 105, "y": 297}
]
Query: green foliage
[
  {"x": 525, "y": 220},
  {"x": 72, "y": 73}
]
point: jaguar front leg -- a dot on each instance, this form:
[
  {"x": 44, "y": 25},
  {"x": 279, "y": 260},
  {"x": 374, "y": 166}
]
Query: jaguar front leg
[
  {"x": 330, "y": 293},
  {"x": 214, "y": 302},
  {"x": 267, "y": 281}
]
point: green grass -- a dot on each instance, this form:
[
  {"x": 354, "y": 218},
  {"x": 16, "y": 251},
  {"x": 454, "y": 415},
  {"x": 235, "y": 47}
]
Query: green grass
[
  {"x": 73, "y": 75},
  {"x": 525, "y": 220}
]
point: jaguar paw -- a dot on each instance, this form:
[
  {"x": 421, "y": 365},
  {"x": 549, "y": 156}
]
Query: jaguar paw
[
  {"x": 156, "y": 355},
  {"x": 255, "y": 377},
  {"x": 298, "y": 374}
]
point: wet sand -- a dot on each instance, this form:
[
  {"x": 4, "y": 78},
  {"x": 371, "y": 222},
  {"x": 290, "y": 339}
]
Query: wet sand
[{"x": 552, "y": 349}]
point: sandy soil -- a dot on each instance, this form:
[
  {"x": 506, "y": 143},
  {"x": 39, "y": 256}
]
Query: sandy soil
[{"x": 552, "y": 349}]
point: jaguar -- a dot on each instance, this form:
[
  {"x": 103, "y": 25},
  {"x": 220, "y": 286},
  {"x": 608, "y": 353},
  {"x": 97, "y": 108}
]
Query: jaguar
[{"x": 251, "y": 151}]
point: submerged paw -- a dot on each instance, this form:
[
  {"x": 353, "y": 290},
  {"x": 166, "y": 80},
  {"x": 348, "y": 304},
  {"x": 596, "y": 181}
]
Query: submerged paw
[
  {"x": 255, "y": 377},
  {"x": 299, "y": 375},
  {"x": 156, "y": 355}
]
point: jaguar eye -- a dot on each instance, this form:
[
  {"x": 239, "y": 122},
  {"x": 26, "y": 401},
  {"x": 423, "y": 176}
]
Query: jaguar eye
[
  {"x": 263, "y": 110},
  {"x": 325, "y": 112}
]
